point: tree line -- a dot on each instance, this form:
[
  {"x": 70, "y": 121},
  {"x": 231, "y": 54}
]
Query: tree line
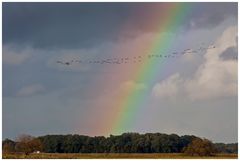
[{"x": 125, "y": 143}]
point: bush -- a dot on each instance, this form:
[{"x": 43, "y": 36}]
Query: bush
[{"x": 200, "y": 147}]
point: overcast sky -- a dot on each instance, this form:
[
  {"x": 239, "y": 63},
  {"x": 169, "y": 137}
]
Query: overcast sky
[{"x": 193, "y": 94}]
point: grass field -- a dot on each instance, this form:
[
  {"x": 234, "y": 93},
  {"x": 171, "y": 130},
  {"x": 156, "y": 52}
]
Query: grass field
[{"x": 114, "y": 155}]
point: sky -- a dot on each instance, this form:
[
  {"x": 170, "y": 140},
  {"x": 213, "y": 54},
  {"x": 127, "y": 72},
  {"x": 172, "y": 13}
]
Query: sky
[{"x": 186, "y": 94}]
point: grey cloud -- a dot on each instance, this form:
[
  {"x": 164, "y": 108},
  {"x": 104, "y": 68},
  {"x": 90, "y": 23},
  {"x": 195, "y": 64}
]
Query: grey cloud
[
  {"x": 209, "y": 78},
  {"x": 209, "y": 15},
  {"x": 230, "y": 53}
]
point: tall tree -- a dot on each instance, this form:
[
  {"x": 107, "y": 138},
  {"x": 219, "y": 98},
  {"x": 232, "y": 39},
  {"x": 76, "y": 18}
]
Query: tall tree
[{"x": 28, "y": 144}]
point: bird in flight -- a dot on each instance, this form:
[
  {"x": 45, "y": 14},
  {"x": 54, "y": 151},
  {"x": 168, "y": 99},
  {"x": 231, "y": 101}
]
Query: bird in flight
[{"x": 64, "y": 63}]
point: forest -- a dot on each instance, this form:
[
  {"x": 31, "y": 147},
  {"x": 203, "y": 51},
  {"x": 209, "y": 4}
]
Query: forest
[{"x": 125, "y": 143}]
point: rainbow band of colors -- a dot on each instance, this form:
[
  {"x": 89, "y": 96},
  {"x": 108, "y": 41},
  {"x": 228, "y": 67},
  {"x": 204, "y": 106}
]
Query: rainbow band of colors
[{"x": 175, "y": 14}]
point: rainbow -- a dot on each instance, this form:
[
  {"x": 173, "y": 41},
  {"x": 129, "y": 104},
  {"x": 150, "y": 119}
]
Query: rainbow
[
  {"x": 175, "y": 13},
  {"x": 119, "y": 113}
]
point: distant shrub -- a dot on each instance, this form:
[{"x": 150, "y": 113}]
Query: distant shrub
[{"x": 200, "y": 147}]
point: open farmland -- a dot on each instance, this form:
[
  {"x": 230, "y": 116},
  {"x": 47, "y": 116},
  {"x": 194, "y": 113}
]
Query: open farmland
[{"x": 114, "y": 155}]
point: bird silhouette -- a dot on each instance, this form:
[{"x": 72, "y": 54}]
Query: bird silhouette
[{"x": 64, "y": 63}]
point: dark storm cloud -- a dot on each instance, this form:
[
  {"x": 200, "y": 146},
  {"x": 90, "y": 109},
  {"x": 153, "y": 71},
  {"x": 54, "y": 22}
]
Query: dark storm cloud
[
  {"x": 67, "y": 25},
  {"x": 61, "y": 24}
]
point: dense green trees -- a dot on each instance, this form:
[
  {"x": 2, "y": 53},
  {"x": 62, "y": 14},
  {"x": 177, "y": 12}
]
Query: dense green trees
[
  {"x": 125, "y": 143},
  {"x": 226, "y": 148}
]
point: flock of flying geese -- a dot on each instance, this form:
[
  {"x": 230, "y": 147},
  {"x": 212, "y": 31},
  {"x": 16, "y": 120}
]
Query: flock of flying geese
[{"x": 136, "y": 59}]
